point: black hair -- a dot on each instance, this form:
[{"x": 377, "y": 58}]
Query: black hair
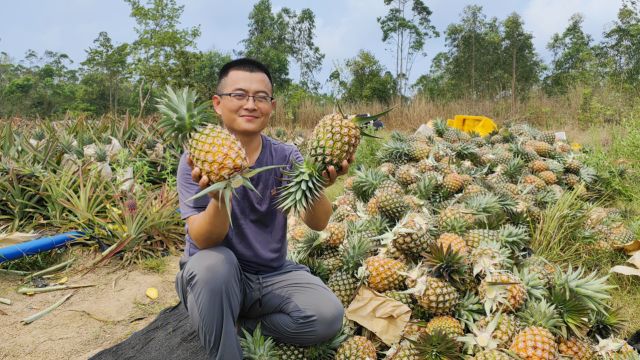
[{"x": 243, "y": 64}]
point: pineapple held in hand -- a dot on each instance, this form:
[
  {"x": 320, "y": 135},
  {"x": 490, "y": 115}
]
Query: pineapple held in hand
[
  {"x": 334, "y": 140},
  {"x": 218, "y": 153}
]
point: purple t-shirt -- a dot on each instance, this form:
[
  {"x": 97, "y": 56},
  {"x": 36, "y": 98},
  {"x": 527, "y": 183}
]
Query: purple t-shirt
[{"x": 258, "y": 234}]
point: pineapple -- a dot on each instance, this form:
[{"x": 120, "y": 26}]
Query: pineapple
[
  {"x": 387, "y": 168},
  {"x": 391, "y": 205},
  {"x": 410, "y": 235},
  {"x": 334, "y": 140},
  {"x": 344, "y": 282},
  {"x": 502, "y": 291},
  {"x": 356, "y": 348},
  {"x": 334, "y": 234},
  {"x": 290, "y": 352},
  {"x": 419, "y": 151},
  {"x": 494, "y": 354},
  {"x": 404, "y": 350},
  {"x": 384, "y": 274},
  {"x": 576, "y": 348},
  {"x": 446, "y": 324},
  {"x": 453, "y": 183},
  {"x": 454, "y": 241},
  {"x": 548, "y": 177},
  {"x": 616, "y": 349},
  {"x": 218, "y": 153},
  {"x": 506, "y": 328},
  {"x": 435, "y": 295},
  {"x": 475, "y": 237},
  {"x": 406, "y": 175},
  {"x": 537, "y": 339}
]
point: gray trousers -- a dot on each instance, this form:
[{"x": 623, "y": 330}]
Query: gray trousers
[{"x": 291, "y": 305}]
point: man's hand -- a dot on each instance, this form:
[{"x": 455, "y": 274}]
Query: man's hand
[
  {"x": 331, "y": 174},
  {"x": 202, "y": 180}
]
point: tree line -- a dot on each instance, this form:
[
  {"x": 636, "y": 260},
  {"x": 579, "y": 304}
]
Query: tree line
[{"x": 485, "y": 58}]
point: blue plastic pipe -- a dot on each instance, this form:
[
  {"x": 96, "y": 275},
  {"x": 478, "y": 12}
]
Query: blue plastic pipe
[{"x": 37, "y": 245}]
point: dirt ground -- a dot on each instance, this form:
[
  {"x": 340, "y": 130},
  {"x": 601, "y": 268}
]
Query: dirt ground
[{"x": 93, "y": 319}]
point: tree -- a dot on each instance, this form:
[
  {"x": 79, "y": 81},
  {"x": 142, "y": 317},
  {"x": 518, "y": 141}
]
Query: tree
[
  {"x": 518, "y": 46},
  {"x": 622, "y": 43},
  {"x": 274, "y": 38},
  {"x": 363, "y": 78},
  {"x": 110, "y": 62},
  {"x": 159, "y": 40},
  {"x": 407, "y": 29},
  {"x": 303, "y": 49},
  {"x": 573, "y": 58}
]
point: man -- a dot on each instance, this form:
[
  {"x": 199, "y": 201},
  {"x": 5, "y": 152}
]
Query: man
[{"x": 238, "y": 276}]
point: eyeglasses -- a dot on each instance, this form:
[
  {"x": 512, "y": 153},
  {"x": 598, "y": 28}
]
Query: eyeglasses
[{"x": 241, "y": 97}]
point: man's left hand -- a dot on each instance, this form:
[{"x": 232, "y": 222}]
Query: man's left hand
[{"x": 331, "y": 174}]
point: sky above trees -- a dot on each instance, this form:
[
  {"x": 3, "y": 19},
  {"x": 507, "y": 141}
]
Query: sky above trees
[{"x": 343, "y": 27}]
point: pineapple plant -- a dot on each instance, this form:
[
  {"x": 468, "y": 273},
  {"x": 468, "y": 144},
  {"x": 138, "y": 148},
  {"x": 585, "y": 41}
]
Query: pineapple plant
[
  {"x": 255, "y": 346},
  {"x": 334, "y": 140}
]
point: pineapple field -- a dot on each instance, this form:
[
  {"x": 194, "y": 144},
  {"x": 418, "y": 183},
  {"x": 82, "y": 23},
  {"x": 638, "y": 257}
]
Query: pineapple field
[{"x": 495, "y": 247}]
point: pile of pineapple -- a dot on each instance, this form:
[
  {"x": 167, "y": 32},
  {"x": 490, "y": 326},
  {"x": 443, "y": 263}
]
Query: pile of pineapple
[{"x": 444, "y": 225}]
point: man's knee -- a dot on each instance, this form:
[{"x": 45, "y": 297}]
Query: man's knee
[
  {"x": 212, "y": 267},
  {"x": 329, "y": 320}
]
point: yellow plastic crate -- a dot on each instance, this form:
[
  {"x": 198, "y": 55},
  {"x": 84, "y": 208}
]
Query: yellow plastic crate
[{"x": 468, "y": 123}]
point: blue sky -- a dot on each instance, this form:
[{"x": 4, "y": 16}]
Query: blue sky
[{"x": 343, "y": 27}]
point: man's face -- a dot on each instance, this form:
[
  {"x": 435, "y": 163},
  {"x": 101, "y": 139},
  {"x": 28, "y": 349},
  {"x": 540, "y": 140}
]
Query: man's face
[{"x": 249, "y": 116}]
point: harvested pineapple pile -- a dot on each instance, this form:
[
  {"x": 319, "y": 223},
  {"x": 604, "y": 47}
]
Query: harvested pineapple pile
[{"x": 444, "y": 225}]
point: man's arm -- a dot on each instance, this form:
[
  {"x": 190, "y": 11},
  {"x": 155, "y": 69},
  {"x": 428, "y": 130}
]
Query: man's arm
[{"x": 209, "y": 227}]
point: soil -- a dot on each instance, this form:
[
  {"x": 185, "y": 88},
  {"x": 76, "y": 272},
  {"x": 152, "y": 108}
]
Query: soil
[{"x": 93, "y": 319}]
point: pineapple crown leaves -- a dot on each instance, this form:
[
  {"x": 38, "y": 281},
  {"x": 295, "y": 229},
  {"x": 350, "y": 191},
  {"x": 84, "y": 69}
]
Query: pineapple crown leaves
[
  {"x": 481, "y": 338},
  {"x": 607, "y": 347},
  {"x": 446, "y": 264},
  {"x": 604, "y": 325},
  {"x": 180, "y": 113},
  {"x": 255, "y": 346},
  {"x": 366, "y": 182},
  {"x": 514, "y": 237},
  {"x": 589, "y": 289},
  {"x": 304, "y": 186},
  {"x": 543, "y": 314},
  {"x": 355, "y": 250},
  {"x": 436, "y": 345},
  {"x": 573, "y": 312},
  {"x": 395, "y": 151},
  {"x": 469, "y": 309},
  {"x": 535, "y": 286}
]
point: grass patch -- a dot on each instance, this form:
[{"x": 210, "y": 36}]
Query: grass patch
[
  {"x": 36, "y": 262},
  {"x": 557, "y": 236},
  {"x": 156, "y": 265}
]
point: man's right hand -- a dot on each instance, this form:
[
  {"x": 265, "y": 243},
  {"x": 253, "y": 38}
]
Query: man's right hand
[{"x": 202, "y": 180}]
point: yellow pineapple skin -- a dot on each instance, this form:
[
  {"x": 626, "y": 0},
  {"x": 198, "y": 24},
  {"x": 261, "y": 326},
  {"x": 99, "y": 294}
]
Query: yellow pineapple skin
[
  {"x": 447, "y": 324},
  {"x": 456, "y": 242},
  {"x": 535, "y": 343},
  {"x": 217, "y": 153},
  {"x": 334, "y": 140},
  {"x": 356, "y": 348},
  {"x": 439, "y": 298},
  {"x": 384, "y": 273},
  {"x": 337, "y": 232},
  {"x": 576, "y": 349}
]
